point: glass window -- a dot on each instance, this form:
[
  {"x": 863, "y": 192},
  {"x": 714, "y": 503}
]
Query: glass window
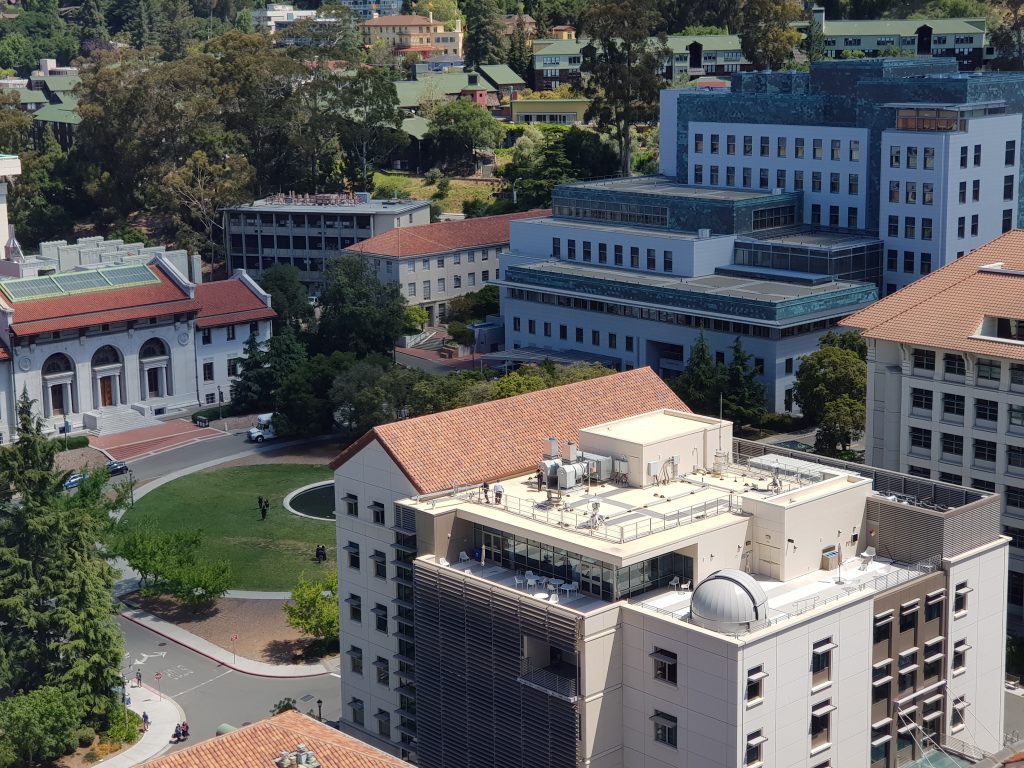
[
  {"x": 665, "y": 728},
  {"x": 837, "y": 149},
  {"x": 665, "y": 665},
  {"x": 894, "y": 157},
  {"x": 984, "y": 450},
  {"x": 921, "y": 399},
  {"x": 986, "y": 410},
  {"x": 924, "y": 359},
  {"x": 920, "y": 438},
  {"x": 1010, "y": 157},
  {"x": 854, "y": 150},
  {"x": 988, "y": 370},
  {"x": 816, "y": 147},
  {"x": 798, "y": 148},
  {"x": 952, "y": 444}
]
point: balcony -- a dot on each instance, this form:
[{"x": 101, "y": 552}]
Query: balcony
[{"x": 558, "y": 679}]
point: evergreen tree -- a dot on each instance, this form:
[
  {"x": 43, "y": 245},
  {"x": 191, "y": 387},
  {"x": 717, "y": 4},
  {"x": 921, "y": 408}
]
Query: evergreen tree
[
  {"x": 700, "y": 384},
  {"x": 743, "y": 395},
  {"x": 520, "y": 53},
  {"x": 253, "y": 389},
  {"x": 92, "y": 21},
  {"x": 813, "y": 44},
  {"x": 141, "y": 23},
  {"x": 483, "y": 33},
  {"x": 56, "y": 606}
]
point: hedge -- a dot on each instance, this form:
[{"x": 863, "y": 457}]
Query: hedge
[{"x": 78, "y": 441}]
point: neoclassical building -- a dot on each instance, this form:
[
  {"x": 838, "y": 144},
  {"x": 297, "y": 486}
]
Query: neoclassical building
[{"x": 109, "y": 347}]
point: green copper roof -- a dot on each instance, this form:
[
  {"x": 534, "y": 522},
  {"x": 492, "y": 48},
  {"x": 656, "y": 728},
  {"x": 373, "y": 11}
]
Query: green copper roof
[
  {"x": 501, "y": 74},
  {"x": 904, "y": 27},
  {"x": 58, "y": 113},
  {"x": 682, "y": 43}
]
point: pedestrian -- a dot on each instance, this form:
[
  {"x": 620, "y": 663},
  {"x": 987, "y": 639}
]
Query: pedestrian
[
  {"x": 138, "y": 678},
  {"x": 184, "y": 731},
  {"x": 540, "y": 481},
  {"x": 264, "y": 506},
  {"x": 177, "y": 733},
  {"x": 128, "y": 700},
  {"x": 486, "y": 491},
  {"x": 499, "y": 490},
  {"x": 259, "y": 502},
  {"x": 145, "y": 721}
]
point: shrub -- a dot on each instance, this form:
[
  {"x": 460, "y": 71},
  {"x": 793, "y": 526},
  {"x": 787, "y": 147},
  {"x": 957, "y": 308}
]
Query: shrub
[
  {"x": 433, "y": 176},
  {"x": 86, "y": 736},
  {"x": 207, "y": 413},
  {"x": 125, "y": 726},
  {"x": 78, "y": 441},
  {"x": 392, "y": 188}
]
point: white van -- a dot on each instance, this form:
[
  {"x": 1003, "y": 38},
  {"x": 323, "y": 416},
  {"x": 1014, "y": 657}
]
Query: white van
[{"x": 264, "y": 429}]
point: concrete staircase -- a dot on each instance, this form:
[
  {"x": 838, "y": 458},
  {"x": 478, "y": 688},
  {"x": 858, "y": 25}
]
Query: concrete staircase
[{"x": 110, "y": 421}]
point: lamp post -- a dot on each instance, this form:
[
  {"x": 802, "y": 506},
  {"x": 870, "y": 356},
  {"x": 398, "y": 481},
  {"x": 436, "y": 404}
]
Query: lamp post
[
  {"x": 320, "y": 710},
  {"x": 515, "y": 196},
  {"x": 131, "y": 486},
  {"x": 220, "y": 403}
]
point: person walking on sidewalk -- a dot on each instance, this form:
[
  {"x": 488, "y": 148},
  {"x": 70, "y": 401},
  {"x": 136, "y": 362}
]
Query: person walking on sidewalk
[
  {"x": 138, "y": 678},
  {"x": 145, "y": 721}
]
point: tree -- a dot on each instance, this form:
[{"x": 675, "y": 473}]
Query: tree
[
  {"x": 313, "y": 609},
  {"x": 850, "y": 340},
  {"x": 360, "y": 313},
  {"x": 813, "y": 44},
  {"x": 461, "y": 127},
  {"x": 766, "y": 37},
  {"x": 288, "y": 296},
  {"x": 1007, "y": 36},
  {"x": 483, "y": 43},
  {"x": 198, "y": 190},
  {"x": 536, "y": 170},
  {"x": 40, "y": 725},
  {"x": 92, "y": 22},
  {"x": 415, "y": 318},
  {"x": 475, "y": 305},
  {"x": 252, "y": 391},
  {"x": 520, "y": 52},
  {"x": 41, "y": 197},
  {"x": 16, "y": 52},
  {"x": 56, "y": 606},
  {"x": 622, "y": 63},
  {"x": 701, "y": 383},
  {"x": 743, "y": 395},
  {"x": 827, "y": 375},
  {"x": 333, "y": 33},
  {"x": 370, "y": 124},
  {"x": 842, "y": 422}
]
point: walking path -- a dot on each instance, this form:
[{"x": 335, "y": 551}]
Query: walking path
[
  {"x": 164, "y": 713},
  {"x": 148, "y": 441}
]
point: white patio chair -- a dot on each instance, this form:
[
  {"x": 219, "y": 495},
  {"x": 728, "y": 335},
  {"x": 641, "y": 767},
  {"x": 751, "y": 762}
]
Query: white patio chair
[
  {"x": 443, "y": 563},
  {"x": 463, "y": 557}
]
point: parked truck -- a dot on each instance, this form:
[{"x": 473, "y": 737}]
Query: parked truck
[{"x": 264, "y": 429}]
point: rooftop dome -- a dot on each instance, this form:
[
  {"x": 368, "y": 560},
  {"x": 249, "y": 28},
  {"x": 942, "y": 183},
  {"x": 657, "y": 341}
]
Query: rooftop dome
[{"x": 728, "y": 597}]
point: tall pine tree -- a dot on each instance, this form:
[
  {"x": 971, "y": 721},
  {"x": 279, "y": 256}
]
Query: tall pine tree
[
  {"x": 520, "y": 55},
  {"x": 483, "y": 33},
  {"x": 56, "y": 608}
]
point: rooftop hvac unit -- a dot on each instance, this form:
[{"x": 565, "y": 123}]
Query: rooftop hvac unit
[
  {"x": 703, "y": 234},
  {"x": 600, "y": 466},
  {"x": 653, "y": 468},
  {"x": 571, "y": 475}
]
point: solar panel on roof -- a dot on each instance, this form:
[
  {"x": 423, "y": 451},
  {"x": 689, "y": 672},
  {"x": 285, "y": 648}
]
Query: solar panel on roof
[
  {"x": 80, "y": 281},
  {"x": 32, "y": 288},
  {"x": 137, "y": 273}
]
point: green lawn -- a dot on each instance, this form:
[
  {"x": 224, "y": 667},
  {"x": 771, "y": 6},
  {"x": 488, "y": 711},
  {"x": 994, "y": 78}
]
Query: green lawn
[
  {"x": 458, "y": 193},
  {"x": 264, "y": 554}
]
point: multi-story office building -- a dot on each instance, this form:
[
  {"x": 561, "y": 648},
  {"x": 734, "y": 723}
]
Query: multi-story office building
[
  {"x": 377, "y": 548},
  {"x": 277, "y": 16},
  {"x": 943, "y": 147},
  {"x": 666, "y": 595},
  {"x": 632, "y": 272},
  {"x": 946, "y": 383},
  {"x": 413, "y": 34},
  {"x": 306, "y": 230},
  {"x": 966, "y": 40},
  {"x": 436, "y": 263}
]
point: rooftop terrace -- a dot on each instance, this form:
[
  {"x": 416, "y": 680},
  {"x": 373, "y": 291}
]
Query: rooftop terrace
[{"x": 662, "y": 185}]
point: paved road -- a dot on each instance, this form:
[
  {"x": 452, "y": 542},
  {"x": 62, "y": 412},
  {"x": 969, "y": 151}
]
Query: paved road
[{"x": 211, "y": 694}]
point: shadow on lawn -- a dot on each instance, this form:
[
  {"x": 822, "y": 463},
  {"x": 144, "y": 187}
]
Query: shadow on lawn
[{"x": 171, "y": 609}]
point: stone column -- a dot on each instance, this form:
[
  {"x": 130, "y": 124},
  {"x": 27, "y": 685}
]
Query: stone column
[
  {"x": 69, "y": 406},
  {"x": 161, "y": 382},
  {"x": 96, "y": 401},
  {"x": 145, "y": 384},
  {"x": 47, "y": 400},
  {"x": 117, "y": 388}
]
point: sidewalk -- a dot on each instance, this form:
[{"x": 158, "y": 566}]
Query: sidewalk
[
  {"x": 164, "y": 713},
  {"x": 223, "y": 657}
]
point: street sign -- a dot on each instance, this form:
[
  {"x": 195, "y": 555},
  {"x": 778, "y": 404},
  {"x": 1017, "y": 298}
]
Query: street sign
[
  {"x": 234, "y": 638},
  {"x": 157, "y": 676}
]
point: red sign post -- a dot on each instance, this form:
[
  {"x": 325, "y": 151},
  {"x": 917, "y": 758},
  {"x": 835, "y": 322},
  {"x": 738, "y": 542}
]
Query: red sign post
[
  {"x": 234, "y": 639},
  {"x": 157, "y": 677}
]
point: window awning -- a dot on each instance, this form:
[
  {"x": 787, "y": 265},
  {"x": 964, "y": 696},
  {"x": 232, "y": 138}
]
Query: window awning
[
  {"x": 907, "y": 728},
  {"x": 883, "y": 721},
  {"x": 353, "y": 600},
  {"x": 882, "y": 663},
  {"x": 910, "y": 604},
  {"x": 881, "y": 681},
  {"x": 754, "y": 677},
  {"x": 881, "y": 740},
  {"x": 757, "y": 741},
  {"x": 931, "y": 699},
  {"x": 964, "y": 590},
  {"x": 668, "y": 721},
  {"x": 354, "y": 652},
  {"x": 934, "y": 640},
  {"x": 962, "y": 646},
  {"x": 823, "y": 709},
  {"x": 382, "y": 664},
  {"x": 961, "y": 704},
  {"x": 382, "y": 715},
  {"x": 380, "y": 610},
  {"x": 665, "y": 656},
  {"x": 908, "y": 652},
  {"x": 908, "y": 669},
  {"x": 884, "y": 614},
  {"x": 380, "y": 557},
  {"x": 933, "y": 658},
  {"x": 939, "y": 598},
  {"x": 356, "y": 704},
  {"x": 353, "y": 548},
  {"x": 932, "y": 715},
  {"x": 825, "y": 648},
  {"x": 936, "y": 593},
  {"x": 881, "y": 622}
]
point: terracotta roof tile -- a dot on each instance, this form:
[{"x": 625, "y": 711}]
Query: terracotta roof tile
[
  {"x": 443, "y": 236},
  {"x": 259, "y": 744},
  {"x": 400, "y": 21},
  {"x": 102, "y": 306},
  {"x": 443, "y": 449},
  {"x": 225, "y": 302},
  {"x": 945, "y": 309}
]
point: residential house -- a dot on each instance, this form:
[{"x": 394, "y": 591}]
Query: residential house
[{"x": 413, "y": 34}]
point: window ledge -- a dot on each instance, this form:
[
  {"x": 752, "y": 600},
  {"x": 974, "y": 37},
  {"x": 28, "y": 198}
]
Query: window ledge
[
  {"x": 822, "y": 748},
  {"x": 959, "y": 671},
  {"x": 758, "y": 764},
  {"x": 959, "y": 614},
  {"x": 956, "y": 728},
  {"x": 755, "y": 702},
  {"x": 821, "y": 686}
]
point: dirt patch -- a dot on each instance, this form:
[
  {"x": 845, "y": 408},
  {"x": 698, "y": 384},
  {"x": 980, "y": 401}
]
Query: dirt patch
[
  {"x": 77, "y": 458},
  {"x": 263, "y": 633}
]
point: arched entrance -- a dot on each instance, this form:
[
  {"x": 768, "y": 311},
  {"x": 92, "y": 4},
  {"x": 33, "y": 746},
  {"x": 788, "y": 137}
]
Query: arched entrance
[
  {"x": 107, "y": 377},
  {"x": 154, "y": 365},
  {"x": 60, "y": 395}
]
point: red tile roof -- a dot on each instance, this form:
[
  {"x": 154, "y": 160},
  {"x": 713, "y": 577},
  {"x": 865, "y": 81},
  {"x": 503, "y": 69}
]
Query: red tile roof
[
  {"x": 443, "y": 236},
  {"x": 945, "y": 309},
  {"x": 226, "y": 302},
  {"x": 440, "y": 450},
  {"x": 103, "y": 306},
  {"x": 260, "y": 744},
  {"x": 401, "y": 21}
]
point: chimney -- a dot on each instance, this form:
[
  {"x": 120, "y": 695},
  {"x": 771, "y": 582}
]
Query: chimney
[
  {"x": 430, "y": 16},
  {"x": 818, "y": 17},
  {"x": 572, "y": 452},
  {"x": 552, "y": 448}
]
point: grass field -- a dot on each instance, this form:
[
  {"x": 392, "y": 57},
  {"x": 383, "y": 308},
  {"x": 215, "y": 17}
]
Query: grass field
[
  {"x": 458, "y": 192},
  {"x": 264, "y": 554}
]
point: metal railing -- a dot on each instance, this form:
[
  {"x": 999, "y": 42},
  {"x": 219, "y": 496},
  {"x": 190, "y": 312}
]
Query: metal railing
[{"x": 547, "y": 679}]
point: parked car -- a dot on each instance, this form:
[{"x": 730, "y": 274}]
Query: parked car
[
  {"x": 117, "y": 468},
  {"x": 75, "y": 480}
]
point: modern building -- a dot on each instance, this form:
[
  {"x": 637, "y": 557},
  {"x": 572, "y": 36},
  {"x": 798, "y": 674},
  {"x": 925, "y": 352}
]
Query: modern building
[
  {"x": 413, "y": 34},
  {"x": 48, "y": 95},
  {"x": 966, "y": 40},
  {"x": 946, "y": 383},
  {"x": 283, "y": 741},
  {"x": 664, "y": 595},
  {"x": 632, "y": 272},
  {"x": 912, "y": 150},
  {"x": 307, "y": 230},
  {"x": 393, "y": 461},
  {"x": 550, "y": 111},
  {"x": 278, "y": 16},
  {"x": 435, "y": 263}
]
